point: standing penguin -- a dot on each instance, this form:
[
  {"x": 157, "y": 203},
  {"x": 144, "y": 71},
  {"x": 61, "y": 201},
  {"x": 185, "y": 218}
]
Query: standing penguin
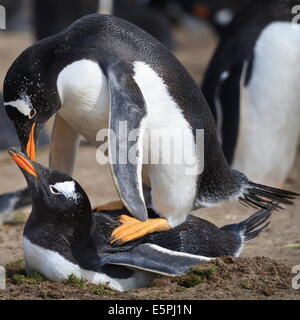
[
  {"x": 63, "y": 236},
  {"x": 52, "y": 16},
  {"x": 103, "y": 72},
  {"x": 252, "y": 86}
]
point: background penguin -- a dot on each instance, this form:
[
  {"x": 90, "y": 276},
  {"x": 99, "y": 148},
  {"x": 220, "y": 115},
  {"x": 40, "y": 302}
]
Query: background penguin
[
  {"x": 52, "y": 16},
  {"x": 147, "y": 18},
  {"x": 63, "y": 236},
  {"x": 219, "y": 13},
  {"x": 252, "y": 87},
  {"x": 103, "y": 71}
]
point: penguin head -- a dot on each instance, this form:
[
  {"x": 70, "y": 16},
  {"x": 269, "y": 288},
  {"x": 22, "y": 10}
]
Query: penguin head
[
  {"x": 55, "y": 195},
  {"x": 30, "y": 94}
]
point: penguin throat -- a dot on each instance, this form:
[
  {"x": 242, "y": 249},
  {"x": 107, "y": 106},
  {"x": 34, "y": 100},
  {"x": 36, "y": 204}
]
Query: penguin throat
[{"x": 74, "y": 226}]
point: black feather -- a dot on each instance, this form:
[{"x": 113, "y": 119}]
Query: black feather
[
  {"x": 255, "y": 224},
  {"x": 260, "y": 196}
]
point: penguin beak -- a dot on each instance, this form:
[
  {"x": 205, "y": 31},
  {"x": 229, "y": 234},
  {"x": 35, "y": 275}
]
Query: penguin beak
[
  {"x": 22, "y": 162},
  {"x": 30, "y": 147},
  {"x": 201, "y": 11}
]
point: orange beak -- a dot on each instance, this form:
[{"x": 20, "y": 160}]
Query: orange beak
[
  {"x": 201, "y": 11},
  {"x": 23, "y": 163},
  {"x": 30, "y": 148}
]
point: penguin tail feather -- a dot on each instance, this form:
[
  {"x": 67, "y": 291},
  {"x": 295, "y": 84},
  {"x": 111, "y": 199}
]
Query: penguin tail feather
[
  {"x": 254, "y": 225},
  {"x": 250, "y": 228},
  {"x": 262, "y": 197}
]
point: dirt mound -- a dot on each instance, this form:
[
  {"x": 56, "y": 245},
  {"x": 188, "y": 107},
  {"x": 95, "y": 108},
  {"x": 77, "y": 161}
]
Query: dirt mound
[{"x": 225, "y": 278}]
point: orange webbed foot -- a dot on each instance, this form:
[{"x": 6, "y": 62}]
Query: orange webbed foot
[{"x": 132, "y": 228}]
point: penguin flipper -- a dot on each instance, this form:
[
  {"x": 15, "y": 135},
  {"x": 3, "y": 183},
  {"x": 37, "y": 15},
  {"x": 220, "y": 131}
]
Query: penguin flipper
[
  {"x": 12, "y": 201},
  {"x": 225, "y": 105},
  {"x": 156, "y": 259},
  {"x": 127, "y": 111}
]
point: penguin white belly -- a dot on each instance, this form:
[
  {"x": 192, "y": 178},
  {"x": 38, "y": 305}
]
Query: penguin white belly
[
  {"x": 270, "y": 107},
  {"x": 85, "y": 99},
  {"x": 170, "y": 161},
  {"x": 56, "y": 268}
]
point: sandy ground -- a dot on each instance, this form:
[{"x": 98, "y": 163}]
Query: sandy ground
[{"x": 281, "y": 241}]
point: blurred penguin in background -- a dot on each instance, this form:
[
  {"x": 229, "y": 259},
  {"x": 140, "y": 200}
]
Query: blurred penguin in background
[
  {"x": 52, "y": 16},
  {"x": 219, "y": 13},
  {"x": 252, "y": 86},
  {"x": 17, "y": 19}
]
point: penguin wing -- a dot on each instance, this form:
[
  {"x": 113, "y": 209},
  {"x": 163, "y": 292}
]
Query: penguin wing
[
  {"x": 156, "y": 259},
  {"x": 222, "y": 91},
  {"x": 127, "y": 111}
]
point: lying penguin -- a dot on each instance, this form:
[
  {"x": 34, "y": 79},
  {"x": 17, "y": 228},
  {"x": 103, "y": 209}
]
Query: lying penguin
[
  {"x": 63, "y": 236},
  {"x": 103, "y": 73},
  {"x": 251, "y": 85}
]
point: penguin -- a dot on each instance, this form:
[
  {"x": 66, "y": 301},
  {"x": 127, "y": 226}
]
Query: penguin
[
  {"x": 149, "y": 19},
  {"x": 103, "y": 72},
  {"x": 218, "y": 13},
  {"x": 52, "y": 16},
  {"x": 251, "y": 87},
  {"x": 63, "y": 236}
]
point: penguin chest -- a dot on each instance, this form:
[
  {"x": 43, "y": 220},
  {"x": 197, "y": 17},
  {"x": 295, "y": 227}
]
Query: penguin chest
[
  {"x": 270, "y": 107},
  {"x": 55, "y": 267},
  {"x": 85, "y": 99}
]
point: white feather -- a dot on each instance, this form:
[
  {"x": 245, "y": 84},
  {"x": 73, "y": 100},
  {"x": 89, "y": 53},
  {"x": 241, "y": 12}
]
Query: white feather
[
  {"x": 23, "y": 105},
  {"x": 173, "y": 189},
  {"x": 67, "y": 188},
  {"x": 56, "y": 268},
  {"x": 85, "y": 99},
  {"x": 270, "y": 107}
]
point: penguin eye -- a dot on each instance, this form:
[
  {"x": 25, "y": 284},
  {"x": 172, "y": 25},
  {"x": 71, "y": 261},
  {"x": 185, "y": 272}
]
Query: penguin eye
[
  {"x": 32, "y": 113},
  {"x": 54, "y": 190}
]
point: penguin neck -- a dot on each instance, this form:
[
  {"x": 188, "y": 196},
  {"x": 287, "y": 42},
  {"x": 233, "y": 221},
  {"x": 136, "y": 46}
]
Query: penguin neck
[{"x": 218, "y": 182}]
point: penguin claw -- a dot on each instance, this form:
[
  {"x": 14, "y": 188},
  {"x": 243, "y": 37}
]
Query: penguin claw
[{"x": 132, "y": 229}]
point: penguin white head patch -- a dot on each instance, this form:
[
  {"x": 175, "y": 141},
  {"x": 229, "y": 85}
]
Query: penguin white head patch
[
  {"x": 66, "y": 188},
  {"x": 23, "y": 105},
  {"x": 224, "y": 16}
]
